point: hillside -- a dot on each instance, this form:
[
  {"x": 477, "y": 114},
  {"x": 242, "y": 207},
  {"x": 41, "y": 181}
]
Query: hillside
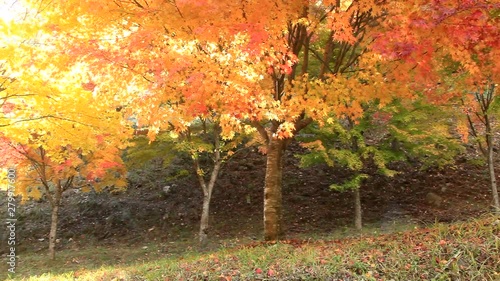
[{"x": 145, "y": 212}]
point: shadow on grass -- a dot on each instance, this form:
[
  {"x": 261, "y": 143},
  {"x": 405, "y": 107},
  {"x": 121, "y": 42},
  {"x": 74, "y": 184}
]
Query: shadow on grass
[{"x": 74, "y": 262}]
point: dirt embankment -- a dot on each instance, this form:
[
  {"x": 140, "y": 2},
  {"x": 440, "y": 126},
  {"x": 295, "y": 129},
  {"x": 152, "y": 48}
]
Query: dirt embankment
[{"x": 165, "y": 204}]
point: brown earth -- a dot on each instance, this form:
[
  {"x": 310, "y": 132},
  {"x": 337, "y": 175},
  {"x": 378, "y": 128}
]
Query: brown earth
[{"x": 145, "y": 212}]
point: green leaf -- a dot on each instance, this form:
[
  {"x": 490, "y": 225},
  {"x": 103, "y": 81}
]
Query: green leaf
[{"x": 353, "y": 183}]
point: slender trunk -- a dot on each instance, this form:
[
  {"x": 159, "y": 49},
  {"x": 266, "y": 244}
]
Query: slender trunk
[
  {"x": 54, "y": 199},
  {"x": 491, "y": 168},
  {"x": 357, "y": 209},
  {"x": 273, "y": 206},
  {"x": 485, "y": 101},
  {"x": 494, "y": 189},
  {"x": 207, "y": 196},
  {"x": 208, "y": 189},
  {"x": 53, "y": 231},
  {"x": 204, "y": 220},
  {"x": 358, "y": 223}
]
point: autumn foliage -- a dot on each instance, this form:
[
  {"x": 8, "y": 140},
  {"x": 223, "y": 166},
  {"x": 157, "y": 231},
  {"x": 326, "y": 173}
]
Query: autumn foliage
[
  {"x": 268, "y": 68},
  {"x": 183, "y": 60}
]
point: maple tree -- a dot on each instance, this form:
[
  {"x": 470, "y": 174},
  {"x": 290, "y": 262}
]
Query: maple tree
[
  {"x": 169, "y": 61},
  {"x": 57, "y": 131},
  {"x": 49, "y": 174},
  {"x": 480, "y": 118},
  {"x": 347, "y": 144},
  {"x": 195, "y": 117},
  {"x": 174, "y": 65},
  {"x": 396, "y": 132},
  {"x": 461, "y": 67},
  {"x": 204, "y": 144},
  {"x": 52, "y": 159}
]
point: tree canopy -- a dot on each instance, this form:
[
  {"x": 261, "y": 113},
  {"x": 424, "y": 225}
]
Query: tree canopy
[{"x": 264, "y": 67}]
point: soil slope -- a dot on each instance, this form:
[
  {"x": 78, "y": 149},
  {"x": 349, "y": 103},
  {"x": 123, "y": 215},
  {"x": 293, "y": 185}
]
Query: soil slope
[{"x": 146, "y": 211}]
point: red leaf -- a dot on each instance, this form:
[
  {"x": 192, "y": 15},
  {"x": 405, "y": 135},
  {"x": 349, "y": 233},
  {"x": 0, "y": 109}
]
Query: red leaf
[
  {"x": 100, "y": 139},
  {"x": 89, "y": 86},
  {"x": 7, "y": 107},
  {"x": 90, "y": 176},
  {"x": 109, "y": 164},
  {"x": 270, "y": 272}
]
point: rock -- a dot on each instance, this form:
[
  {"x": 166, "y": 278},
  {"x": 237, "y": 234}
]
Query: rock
[
  {"x": 434, "y": 199},
  {"x": 167, "y": 189}
]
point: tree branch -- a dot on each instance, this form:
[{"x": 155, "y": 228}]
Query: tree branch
[{"x": 262, "y": 131}]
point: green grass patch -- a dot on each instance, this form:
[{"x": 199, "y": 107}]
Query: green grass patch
[{"x": 460, "y": 251}]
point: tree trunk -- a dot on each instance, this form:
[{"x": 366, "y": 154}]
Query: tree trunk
[
  {"x": 53, "y": 231},
  {"x": 204, "y": 220},
  {"x": 327, "y": 56},
  {"x": 485, "y": 101},
  {"x": 357, "y": 209},
  {"x": 273, "y": 206},
  {"x": 207, "y": 196},
  {"x": 491, "y": 168},
  {"x": 208, "y": 188}
]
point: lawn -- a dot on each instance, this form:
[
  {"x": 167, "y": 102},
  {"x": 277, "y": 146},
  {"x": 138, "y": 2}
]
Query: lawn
[{"x": 460, "y": 251}]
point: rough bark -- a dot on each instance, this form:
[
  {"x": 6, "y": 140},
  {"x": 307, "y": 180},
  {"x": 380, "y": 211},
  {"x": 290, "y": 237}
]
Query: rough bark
[
  {"x": 273, "y": 206},
  {"x": 358, "y": 224}
]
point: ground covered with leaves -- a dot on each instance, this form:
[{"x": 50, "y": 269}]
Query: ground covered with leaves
[
  {"x": 147, "y": 224},
  {"x": 459, "y": 251}
]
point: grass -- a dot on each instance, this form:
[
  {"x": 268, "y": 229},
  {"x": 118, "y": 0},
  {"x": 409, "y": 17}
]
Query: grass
[{"x": 461, "y": 251}]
